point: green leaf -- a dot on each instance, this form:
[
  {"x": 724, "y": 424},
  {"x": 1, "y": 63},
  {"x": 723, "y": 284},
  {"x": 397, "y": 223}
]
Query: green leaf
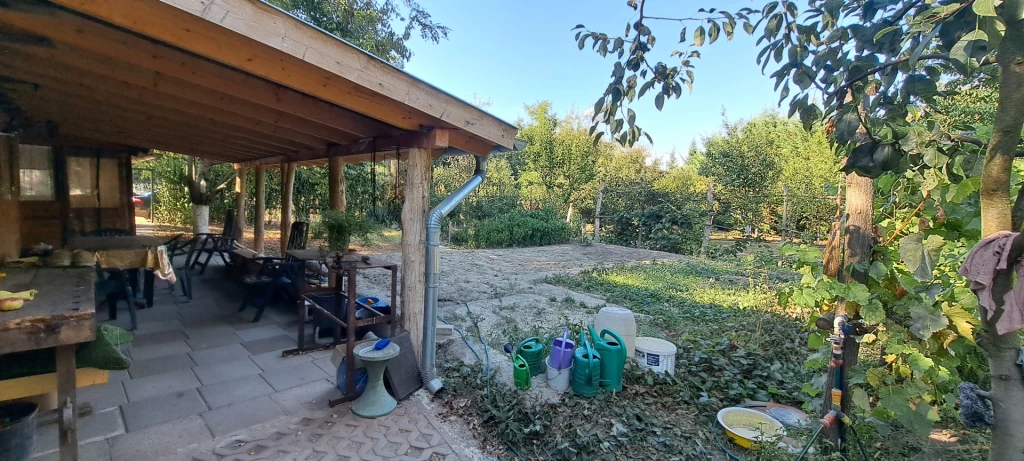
[
  {"x": 882, "y": 32},
  {"x": 878, "y": 271},
  {"x": 698, "y": 36},
  {"x": 963, "y": 321},
  {"x": 919, "y": 364},
  {"x": 873, "y": 312},
  {"x": 749, "y": 28},
  {"x": 896, "y": 400},
  {"x": 847, "y": 126},
  {"x": 659, "y": 100},
  {"x": 925, "y": 320},
  {"x": 920, "y": 85},
  {"x": 815, "y": 340},
  {"x": 984, "y": 7},
  {"x": 920, "y": 254},
  {"x": 860, "y": 399},
  {"x": 682, "y": 35}
]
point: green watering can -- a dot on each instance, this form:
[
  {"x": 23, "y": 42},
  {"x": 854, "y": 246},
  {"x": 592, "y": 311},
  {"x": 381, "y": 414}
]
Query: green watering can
[
  {"x": 586, "y": 368},
  {"x": 520, "y": 372},
  {"x": 612, "y": 350},
  {"x": 533, "y": 351}
]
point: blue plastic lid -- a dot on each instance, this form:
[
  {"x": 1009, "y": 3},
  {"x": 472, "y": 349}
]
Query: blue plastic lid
[{"x": 381, "y": 344}]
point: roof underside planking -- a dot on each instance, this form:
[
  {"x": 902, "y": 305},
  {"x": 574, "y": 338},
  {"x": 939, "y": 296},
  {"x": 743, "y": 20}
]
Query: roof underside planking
[{"x": 230, "y": 80}]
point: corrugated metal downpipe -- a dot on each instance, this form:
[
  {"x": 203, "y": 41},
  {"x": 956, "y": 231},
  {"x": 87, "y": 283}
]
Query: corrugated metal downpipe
[{"x": 428, "y": 368}]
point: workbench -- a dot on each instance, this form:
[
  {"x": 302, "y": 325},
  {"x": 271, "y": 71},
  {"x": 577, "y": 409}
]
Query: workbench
[{"x": 62, "y": 315}]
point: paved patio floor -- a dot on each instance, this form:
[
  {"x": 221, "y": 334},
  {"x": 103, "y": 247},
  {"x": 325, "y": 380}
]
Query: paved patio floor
[{"x": 208, "y": 384}]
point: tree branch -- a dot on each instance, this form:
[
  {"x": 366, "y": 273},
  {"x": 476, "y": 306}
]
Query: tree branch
[
  {"x": 982, "y": 144},
  {"x": 935, "y": 57}
]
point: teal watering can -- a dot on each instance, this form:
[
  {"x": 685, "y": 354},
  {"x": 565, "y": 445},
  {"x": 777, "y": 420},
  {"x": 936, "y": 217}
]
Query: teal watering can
[
  {"x": 612, "y": 350},
  {"x": 533, "y": 351},
  {"x": 586, "y": 369}
]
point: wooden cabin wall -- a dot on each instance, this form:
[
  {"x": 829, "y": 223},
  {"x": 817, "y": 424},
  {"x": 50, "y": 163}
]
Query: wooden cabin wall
[{"x": 10, "y": 209}]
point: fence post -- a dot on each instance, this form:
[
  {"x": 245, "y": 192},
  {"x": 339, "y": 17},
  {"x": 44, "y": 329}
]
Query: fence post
[
  {"x": 710, "y": 222},
  {"x": 597, "y": 215},
  {"x": 785, "y": 212}
]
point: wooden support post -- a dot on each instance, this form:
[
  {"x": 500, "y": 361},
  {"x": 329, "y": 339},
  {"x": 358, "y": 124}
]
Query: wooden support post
[
  {"x": 261, "y": 209},
  {"x": 336, "y": 183},
  {"x": 287, "y": 181},
  {"x": 414, "y": 235},
  {"x": 240, "y": 190},
  {"x": 597, "y": 214},
  {"x": 785, "y": 213},
  {"x": 67, "y": 403},
  {"x": 706, "y": 242},
  {"x": 10, "y": 207}
]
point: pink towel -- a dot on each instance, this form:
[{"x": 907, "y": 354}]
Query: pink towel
[{"x": 988, "y": 256}]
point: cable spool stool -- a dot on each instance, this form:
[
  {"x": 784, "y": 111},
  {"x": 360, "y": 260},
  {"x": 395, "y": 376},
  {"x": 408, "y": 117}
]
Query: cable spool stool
[
  {"x": 586, "y": 369},
  {"x": 375, "y": 400}
]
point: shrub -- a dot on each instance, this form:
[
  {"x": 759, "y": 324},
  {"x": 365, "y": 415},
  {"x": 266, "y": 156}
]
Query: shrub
[{"x": 518, "y": 228}]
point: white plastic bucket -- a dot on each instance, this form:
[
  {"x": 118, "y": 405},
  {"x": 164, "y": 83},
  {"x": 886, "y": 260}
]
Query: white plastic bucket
[
  {"x": 558, "y": 379},
  {"x": 656, "y": 355}
]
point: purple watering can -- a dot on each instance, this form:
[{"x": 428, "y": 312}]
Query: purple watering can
[{"x": 561, "y": 352}]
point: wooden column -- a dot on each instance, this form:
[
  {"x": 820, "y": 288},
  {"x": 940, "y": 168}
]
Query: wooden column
[
  {"x": 240, "y": 190},
  {"x": 67, "y": 403},
  {"x": 336, "y": 183},
  {"x": 10, "y": 208},
  {"x": 414, "y": 235},
  {"x": 261, "y": 209},
  {"x": 287, "y": 181}
]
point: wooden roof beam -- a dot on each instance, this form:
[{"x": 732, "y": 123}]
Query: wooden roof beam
[
  {"x": 259, "y": 39},
  {"x": 433, "y": 139},
  {"x": 64, "y": 27}
]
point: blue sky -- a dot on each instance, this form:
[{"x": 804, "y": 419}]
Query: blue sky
[{"x": 519, "y": 52}]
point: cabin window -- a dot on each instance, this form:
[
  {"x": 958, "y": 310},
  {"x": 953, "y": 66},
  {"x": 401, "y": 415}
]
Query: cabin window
[
  {"x": 93, "y": 183},
  {"x": 35, "y": 165}
]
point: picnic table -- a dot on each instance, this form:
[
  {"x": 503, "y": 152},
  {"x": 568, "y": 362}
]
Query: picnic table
[
  {"x": 62, "y": 315},
  {"x": 129, "y": 253}
]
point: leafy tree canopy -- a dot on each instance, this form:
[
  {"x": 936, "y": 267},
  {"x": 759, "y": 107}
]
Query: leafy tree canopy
[{"x": 382, "y": 28}]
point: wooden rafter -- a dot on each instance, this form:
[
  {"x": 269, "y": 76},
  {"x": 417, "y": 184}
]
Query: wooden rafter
[{"x": 384, "y": 147}]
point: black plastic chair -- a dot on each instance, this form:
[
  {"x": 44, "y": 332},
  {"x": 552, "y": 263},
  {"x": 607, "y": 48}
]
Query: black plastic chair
[
  {"x": 210, "y": 244},
  {"x": 112, "y": 286},
  {"x": 274, "y": 277}
]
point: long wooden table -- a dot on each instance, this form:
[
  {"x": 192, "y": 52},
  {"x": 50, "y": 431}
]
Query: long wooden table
[
  {"x": 129, "y": 253},
  {"x": 62, "y": 315}
]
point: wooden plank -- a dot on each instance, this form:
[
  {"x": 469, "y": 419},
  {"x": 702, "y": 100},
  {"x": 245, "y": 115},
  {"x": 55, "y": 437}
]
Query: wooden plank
[
  {"x": 63, "y": 311},
  {"x": 27, "y": 386},
  {"x": 436, "y": 140},
  {"x": 69, "y": 107},
  {"x": 414, "y": 235},
  {"x": 240, "y": 190},
  {"x": 73, "y": 60},
  {"x": 10, "y": 207},
  {"x": 67, "y": 403},
  {"x": 206, "y": 117},
  {"x": 63, "y": 27},
  {"x": 283, "y": 49},
  {"x": 261, "y": 209},
  {"x": 287, "y": 186},
  {"x": 226, "y": 109}
]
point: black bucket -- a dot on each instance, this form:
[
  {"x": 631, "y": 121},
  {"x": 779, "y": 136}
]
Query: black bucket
[{"x": 17, "y": 430}]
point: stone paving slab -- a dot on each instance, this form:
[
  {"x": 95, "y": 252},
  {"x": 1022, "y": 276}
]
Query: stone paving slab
[
  {"x": 155, "y": 326},
  {"x": 157, "y": 410},
  {"x": 163, "y": 441},
  {"x": 158, "y": 337},
  {"x": 103, "y": 396},
  {"x": 97, "y": 426},
  {"x": 226, "y": 371},
  {"x": 270, "y": 360},
  {"x": 407, "y": 434},
  {"x": 160, "y": 350},
  {"x": 160, "y": 365},
  {"x": 220, "y": 354},
  {"x": 273, "y": 343},
  {"x": 291, "y": 376},
  {"x": 230, "y": 392},
  {"x": 199, "y": 343},
  {"x": 261, "y": 332},
  {"x": 307, "y": 399},
  {"x": 225, "y": 420},
  {"x": 160, "y": 385},
  {"x": 93, "y": 451}
]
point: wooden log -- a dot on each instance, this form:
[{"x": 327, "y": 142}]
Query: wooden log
[
  {"x": 414, "y": 235},
  {"x": 336, "y": 183},
  {"x": 287, "y": 183},
  {"x": 261, "y": 209},
  {"x": 240, "y": 190}
]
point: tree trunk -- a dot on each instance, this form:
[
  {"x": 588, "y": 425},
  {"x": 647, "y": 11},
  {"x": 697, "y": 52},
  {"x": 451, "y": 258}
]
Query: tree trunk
[
  {"x": 200, "y": 219},
  {"x": 705, "y": 243},
  {"x": 859, "y": 244},
  {"x": 199, "y": 194},
  {"x": 261, "y": 209},
  {"x": 287, "y": 183},
  {"x": 336, "y": 183},
  {"x": 240, "y": 190},
  {"x": 1007, "y": 383}
]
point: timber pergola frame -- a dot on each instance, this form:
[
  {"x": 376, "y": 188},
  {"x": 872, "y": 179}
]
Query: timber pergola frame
[{"x": 235, "y": 81}]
